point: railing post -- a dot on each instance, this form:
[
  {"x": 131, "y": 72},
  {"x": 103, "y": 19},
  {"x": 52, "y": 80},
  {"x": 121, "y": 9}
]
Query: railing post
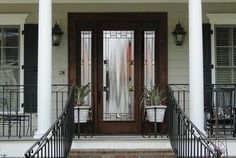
[
  {"x": 234, "y": 121},
  {"x": 155, "y": 123}
]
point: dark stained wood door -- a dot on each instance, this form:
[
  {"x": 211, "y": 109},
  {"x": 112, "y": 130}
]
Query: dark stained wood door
[
  {"x": 118, "y": 46},
  {"x": 119, "y": 69}
]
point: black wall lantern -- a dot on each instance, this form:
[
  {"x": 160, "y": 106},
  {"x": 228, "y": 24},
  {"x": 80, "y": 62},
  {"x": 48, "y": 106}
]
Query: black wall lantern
[
  {"x": 179, "y": 34},
  {"x": 56, "y": 35}
]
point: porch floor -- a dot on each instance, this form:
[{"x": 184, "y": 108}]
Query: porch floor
[{"x": 121, "y": 142}]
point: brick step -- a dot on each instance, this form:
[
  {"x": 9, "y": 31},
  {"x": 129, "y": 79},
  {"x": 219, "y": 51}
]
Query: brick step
[{"x": 122, "y": 153}]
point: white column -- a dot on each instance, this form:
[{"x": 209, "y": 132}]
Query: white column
[
  {"x": 196, "y": 108},
  {"x": 44, "y": 66}
]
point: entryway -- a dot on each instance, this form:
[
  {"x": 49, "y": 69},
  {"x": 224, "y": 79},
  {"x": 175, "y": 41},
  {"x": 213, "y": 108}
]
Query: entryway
[{"x": 120, "y": 54}]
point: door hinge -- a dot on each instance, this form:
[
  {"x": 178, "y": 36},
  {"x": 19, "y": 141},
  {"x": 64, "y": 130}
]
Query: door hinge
[
  {"x": 22, "y": 32},
  {"x": 212, "y": 32}
]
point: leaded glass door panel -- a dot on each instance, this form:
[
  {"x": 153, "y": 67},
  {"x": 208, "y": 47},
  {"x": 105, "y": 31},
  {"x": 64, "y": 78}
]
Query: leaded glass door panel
[
  {"x": 118, "y": 75},
  {"x": 117, "y": 108}
]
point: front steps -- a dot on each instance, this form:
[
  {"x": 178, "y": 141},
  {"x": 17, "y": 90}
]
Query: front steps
[
  {"x": 118, "y": 153},
  {"x": 121, "y": 147}
]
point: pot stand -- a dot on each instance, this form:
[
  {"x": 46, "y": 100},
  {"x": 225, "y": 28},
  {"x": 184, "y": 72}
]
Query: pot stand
[
  {"x": 88, "y": 124},
  {"x": 149, "y": 120}
]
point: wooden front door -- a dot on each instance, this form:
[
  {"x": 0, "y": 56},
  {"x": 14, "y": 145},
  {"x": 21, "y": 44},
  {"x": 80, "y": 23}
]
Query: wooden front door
[{"x": 119, "y": 54}]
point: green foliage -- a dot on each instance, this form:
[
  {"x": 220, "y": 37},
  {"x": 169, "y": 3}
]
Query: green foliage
[
  {"x": 152, "y": 97},
  {"x": 80, "y": 93}
]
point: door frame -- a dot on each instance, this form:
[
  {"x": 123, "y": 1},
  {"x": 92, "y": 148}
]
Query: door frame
[{"x": 74, "y": 21}]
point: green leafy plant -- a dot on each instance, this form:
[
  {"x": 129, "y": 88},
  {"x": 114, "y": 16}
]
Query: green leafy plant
[
  {"x": 153, "y": 96},
  {"x": 80, "y": 94}
]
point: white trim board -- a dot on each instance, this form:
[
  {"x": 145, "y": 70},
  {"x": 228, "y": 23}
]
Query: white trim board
[
  {"x": 222, "y": 19},
  {"x": 12, "y": 19}
]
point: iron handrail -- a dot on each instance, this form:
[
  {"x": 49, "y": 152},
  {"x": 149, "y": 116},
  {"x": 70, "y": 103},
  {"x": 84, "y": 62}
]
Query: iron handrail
[
  {"x": 189, "y": 128},
  {"x": 47, "y": 145}
]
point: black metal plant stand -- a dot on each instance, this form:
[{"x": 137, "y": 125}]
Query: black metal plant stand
[
  {"x": 147, "y": 125},
  {"x": 88, "y": 127}
]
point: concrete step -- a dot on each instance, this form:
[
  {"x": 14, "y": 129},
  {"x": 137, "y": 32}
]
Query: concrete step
[
  {"x": 122, "y": 153},
  {"x": 121, "y": 147}
]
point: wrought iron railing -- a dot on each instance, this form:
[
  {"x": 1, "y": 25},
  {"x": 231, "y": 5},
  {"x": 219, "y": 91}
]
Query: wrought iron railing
[
  {"x": 220, "y": 107},
  {"x": 181, "y": 93},
  {"x": 18, "y": 108},
  {"x": 56, "y": 142},
  {"x": 220, "y": 110},
  {"x": 186, "y": 139}
]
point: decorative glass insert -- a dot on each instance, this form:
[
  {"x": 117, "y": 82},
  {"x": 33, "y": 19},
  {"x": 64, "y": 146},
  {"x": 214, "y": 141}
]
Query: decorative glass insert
[
  {"x": 118, "y": 75},
  {"x": 86, "y": 61},
  {"x": 149, "y": 59}
]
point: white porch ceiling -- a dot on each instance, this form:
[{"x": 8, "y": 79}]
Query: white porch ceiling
[{"x": 113, "y": 1}]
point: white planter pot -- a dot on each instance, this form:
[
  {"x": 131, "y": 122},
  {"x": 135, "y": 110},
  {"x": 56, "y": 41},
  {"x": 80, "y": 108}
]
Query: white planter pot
[
  {"x": 160, "y": 113},
  {"x": 83, "y": 114}
]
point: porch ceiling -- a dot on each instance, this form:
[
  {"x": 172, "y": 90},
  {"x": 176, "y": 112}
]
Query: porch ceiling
[{"x": 113, "y": 1}]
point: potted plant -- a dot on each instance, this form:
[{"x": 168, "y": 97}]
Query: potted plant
[
  {"x": 81, "y": 108},
  {"x": 153, "y": 102}
]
